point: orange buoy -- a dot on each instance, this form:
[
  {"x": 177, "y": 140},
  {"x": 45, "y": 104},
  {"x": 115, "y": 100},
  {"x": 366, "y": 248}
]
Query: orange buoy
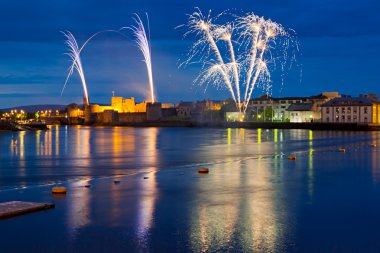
[
  {"x": 203, "y": 170},
  {"x": 59, "y": 190},
  {"x": 373, "y": 145},
  {"x": 342, "y": 150},
  {"x": 292, "y": 157}
]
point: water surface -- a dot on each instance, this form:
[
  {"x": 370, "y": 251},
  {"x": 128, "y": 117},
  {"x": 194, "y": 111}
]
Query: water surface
[{"x": 253, "y": 199}]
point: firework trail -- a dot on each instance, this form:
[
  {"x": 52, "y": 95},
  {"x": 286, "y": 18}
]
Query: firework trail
[
  {"x": 79, "y": 51},
  {"x": 74, "y": 54},
  {"x": 143, "y": 43},
  {"x": 225, "y": 33},
  {"x": 248, "y": 64}
]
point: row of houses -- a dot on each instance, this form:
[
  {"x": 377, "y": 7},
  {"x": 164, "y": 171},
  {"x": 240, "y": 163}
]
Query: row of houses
[{"x": 327, "y": 107}]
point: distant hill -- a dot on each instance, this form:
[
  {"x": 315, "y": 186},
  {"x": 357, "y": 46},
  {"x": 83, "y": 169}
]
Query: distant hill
[{"x": 34, "y": 108}]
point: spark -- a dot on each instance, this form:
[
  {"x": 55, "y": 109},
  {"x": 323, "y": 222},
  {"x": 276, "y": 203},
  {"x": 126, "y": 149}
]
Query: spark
[
  {"x": 248, "y": 64},
  {"x": 74, "y": 54},
  {"x": 78, "y": 51},
  {"x": 143, "y": 43}
]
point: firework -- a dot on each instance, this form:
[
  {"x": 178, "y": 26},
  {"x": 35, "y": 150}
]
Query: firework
[
  {"x": 76, "y": 51},
  {"x": 248, "y": 40},
  {"x": 74, "y": 54},
  {"x": 143, "y": 43}
]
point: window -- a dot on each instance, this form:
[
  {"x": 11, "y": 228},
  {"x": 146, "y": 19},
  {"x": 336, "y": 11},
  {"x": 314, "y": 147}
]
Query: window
[
  {"x": 355, "y": 110},
  {"x": 365, "y": 119},
  {"x": 283, "y": 106},
  {"x": 343, "y": 117},
  {"x": 343, "y": 109},
  {"x": 355, "y": 118},
  {"x": 337, "y": 110},
  {"x": 349, "y": 118},
  {"x": 348, "y": 109},
  {"x": 365, "y": 110},
  {"x": 327, "y": 110}
]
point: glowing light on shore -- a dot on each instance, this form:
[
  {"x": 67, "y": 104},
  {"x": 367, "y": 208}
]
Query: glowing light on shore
[
  {"x": 249, "y": 40},
  {"x": 143, "y": 42},
  {"x": 74, "y": 54}
]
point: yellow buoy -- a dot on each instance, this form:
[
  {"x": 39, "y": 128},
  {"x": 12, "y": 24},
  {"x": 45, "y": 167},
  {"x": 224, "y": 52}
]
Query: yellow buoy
[
  {"x": 292, "y": 157},
  {"x": 59, "y": 190},
  {"x": 342, "y": 150},
  {"x": 203, "y": 170}
]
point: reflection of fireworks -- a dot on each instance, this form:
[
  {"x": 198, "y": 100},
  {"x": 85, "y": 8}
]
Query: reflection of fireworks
[
  {"x": 144, "y": 45},
  {"x": 75, "y": 57},
  {"x": 248, "y": 64}
]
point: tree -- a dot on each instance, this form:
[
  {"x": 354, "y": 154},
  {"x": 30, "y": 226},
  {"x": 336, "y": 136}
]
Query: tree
[{"x": 268, "y": 113}]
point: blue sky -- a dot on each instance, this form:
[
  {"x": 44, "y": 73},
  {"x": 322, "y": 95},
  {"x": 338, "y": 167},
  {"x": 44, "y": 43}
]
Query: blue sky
[{"x": 340, "y": 48}]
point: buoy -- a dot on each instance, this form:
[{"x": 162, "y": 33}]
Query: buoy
[
  {"x": 87, "y": 186},
  {"x": 116, "y": 182},
  {"x": 292, "y": 157},
  {"x": 342, "y": 150},
  {"x": 203, "y": 170},
  {"x": 373, "y": 145},
  {"x": 59, "y": 190}
]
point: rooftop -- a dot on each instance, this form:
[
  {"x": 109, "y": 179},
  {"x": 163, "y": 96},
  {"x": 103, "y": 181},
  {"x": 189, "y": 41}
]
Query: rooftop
[
  {"x": 301, "y": 107},
  {"x": 351, "y": 101}
]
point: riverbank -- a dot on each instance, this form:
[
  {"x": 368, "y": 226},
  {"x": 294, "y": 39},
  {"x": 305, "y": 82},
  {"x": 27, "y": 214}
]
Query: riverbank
[
  {"x": 254, "y": 125},
  {"x": 7, "y": 126}
]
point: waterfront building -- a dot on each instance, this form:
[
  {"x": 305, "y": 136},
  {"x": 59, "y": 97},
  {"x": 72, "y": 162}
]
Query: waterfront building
[
  {"x": 185, "y": 109},
  {"x": 362, "y": 109},
  {"x": 303, "y": 112},
  {"x": 267, "y": 108}
]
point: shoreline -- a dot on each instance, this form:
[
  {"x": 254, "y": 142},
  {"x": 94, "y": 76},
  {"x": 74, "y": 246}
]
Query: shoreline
[
  {"x": 8, "y": 127},
  {"x": 254, "y": 125}
]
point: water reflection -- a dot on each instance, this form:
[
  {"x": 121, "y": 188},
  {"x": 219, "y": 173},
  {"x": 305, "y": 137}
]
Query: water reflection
[
  {"x": 226, "y": 207},
  {"x": 78, "y": 207},
  {"x": 148, "y": 187},
  {"x": 310, "y": 178}
]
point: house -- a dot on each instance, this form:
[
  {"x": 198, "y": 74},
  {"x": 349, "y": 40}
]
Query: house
[
  {"x": 303, "y": 112},
  {"x": 351, "y": 110},
  {"x": 185, "y": 109},
  {"x": 279, "y": 106}
]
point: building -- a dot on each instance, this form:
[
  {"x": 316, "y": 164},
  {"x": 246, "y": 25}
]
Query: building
[
  {"x": 266, "y": 107},
  {"x": 119, "y": 105},
  {"x": 303, "y": 112},
  {"x": 348, "y": 109},
  {"x": 185, "y": 109}
]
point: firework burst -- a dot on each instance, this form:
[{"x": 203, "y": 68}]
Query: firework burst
[{"x": 251, "y": 43}]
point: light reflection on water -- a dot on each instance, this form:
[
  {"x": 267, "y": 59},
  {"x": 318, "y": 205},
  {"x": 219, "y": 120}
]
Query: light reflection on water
[{"x": 254, "y": 199}]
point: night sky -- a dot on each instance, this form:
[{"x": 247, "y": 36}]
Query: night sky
[{"x": 340, "y": 48}]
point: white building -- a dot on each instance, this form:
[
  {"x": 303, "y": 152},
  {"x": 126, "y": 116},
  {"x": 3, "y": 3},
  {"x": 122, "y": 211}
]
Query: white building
[
  {"x": 280, "y": 106},
  {"x": 303, "y": 112},
  {"x": 351, "y": 110}
]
